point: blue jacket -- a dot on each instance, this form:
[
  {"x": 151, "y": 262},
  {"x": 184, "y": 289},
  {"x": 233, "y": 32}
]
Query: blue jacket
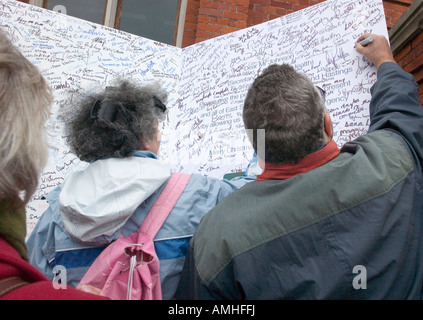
[
  {"x": 349, "y": 229},
  {"x": 112, "y": 197}
]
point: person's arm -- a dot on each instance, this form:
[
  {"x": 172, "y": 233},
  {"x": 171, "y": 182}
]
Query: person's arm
[
  {"x": 36, "y": 244},
  {"x": 395, "y": 101}
]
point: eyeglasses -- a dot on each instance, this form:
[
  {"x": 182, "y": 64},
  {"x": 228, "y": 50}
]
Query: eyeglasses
[{"x": 322, "y": 93}]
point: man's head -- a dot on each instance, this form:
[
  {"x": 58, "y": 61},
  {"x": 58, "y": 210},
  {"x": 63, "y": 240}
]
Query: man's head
[{"x": 288, "y": 106}]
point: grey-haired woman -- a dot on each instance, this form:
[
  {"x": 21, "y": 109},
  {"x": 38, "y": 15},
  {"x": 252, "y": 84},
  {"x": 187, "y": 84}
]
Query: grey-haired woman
[{"x": 116, "y": 130}]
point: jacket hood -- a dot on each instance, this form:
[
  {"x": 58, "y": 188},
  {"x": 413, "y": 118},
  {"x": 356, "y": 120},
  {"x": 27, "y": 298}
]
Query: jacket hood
[{"x": 100, "y": 199}]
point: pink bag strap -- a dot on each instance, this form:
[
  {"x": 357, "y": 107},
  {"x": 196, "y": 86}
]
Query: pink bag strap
[{"x": 164, "y": 204}]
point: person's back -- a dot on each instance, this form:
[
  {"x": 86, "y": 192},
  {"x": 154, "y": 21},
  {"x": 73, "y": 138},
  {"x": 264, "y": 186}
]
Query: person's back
[
  {"x": 334, "y": 225},
  {"x": 113, "y": 195}
]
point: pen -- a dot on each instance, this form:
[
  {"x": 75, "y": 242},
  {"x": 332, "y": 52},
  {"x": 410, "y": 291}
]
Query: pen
[{"x": 366, "y": 41}]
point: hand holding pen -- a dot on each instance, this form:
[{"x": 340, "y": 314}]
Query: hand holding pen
[
  {"x": 375, "y": 48},
  {"x": 365, "y": 42}
]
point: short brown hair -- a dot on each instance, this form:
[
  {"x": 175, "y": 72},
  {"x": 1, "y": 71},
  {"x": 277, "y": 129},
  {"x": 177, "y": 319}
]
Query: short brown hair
[{"x": 287, "y": 105}]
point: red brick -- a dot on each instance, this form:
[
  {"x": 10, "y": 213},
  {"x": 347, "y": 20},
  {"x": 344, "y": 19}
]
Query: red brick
[
  {"x": 226, "y": 30},
  {"x": 297, "y": 7},
  {"x": 203, "y": 19},
  {"x": 254, "y": 21},
  {"x": 210, "y": 12},
  {"x": 395, "y": 6},
  {"x": 404, "y": 51},
  {"x": 418, "y": 50},
  {"x": 417, "y": 40},
  {"x": 202, "y": 34},
  {"x": 208, "y": 27},
  {"x": 313, "y": 2},
  {"x": 304, "y": 2},
  {"x": 223, "y": 6},
  {"x": 192, "y": 11},
  {"x": 193, "y": 3},
  {"x": 270, "y": 10},
  {"x": 190, "y": 26},
  {"x": 280, "y": 12},
  {"x": 415, "y": 64},
  {"x": 285, "y": 5},
  {"x": 222, "y": 22},
  {"x": 241, "y": 2},
  {"x": 235, "y": 16},
  {"x": 206, "y": 4},
  {"x": 191, "y": 18},
  {"x": 242, "y": 9},
  {"x": 259, "y": 8},
  {"x": 241, "y": 24},
  {"x": 262, "y": 2},
  {"x": 189, "y": 34},
  {"x": 259, "y": 15}
]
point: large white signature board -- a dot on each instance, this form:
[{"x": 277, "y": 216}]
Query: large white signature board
[{"x": 206, "y": 82}]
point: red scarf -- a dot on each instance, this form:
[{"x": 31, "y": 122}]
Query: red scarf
[{"x": 312, "y": 161}]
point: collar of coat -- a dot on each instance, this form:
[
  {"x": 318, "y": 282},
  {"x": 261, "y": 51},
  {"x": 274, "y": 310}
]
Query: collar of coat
[
  {"x": 13, "y": 226},
  {"x": 313, "y": 160}
]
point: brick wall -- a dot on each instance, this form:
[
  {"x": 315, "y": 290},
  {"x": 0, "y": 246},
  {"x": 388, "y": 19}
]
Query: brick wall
[
  {"x": 394, "y": 10},
  {"x": 207, "y": 19},
  {"x": 265, "y": 10},
  {"x": 410, "y": 58},
  {"x": 191, "y": 20}
]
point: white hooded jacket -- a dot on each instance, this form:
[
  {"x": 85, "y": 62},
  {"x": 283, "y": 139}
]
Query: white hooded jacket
[{"x": 99, "y": 200}]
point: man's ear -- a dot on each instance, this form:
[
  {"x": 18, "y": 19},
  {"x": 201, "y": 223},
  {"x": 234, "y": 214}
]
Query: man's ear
[{"x": 328, "y": 127}]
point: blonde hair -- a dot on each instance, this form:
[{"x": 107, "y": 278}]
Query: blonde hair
[{"x": 25, "y": 101}]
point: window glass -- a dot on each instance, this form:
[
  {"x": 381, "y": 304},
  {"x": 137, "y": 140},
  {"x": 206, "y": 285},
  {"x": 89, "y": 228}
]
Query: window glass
[
  {"x": 92, "y": 10},
  {"x": 153, "y": 19}
]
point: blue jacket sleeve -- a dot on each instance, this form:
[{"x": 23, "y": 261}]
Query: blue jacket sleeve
[
  {"x": 37, "y": 243},
  {"x": 395, "y": 106}
]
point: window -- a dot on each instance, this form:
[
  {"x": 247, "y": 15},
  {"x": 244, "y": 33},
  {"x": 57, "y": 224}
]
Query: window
[
  {"x": 153, "y": 19},
  {"x": 92, "y": 10},
  {"x": 160, "y": 20}
]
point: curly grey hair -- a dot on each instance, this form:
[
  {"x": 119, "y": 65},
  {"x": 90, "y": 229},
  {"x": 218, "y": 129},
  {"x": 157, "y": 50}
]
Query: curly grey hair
[
  {"x": 289, "y": 107},
  {"x": 132, "y": 123}
]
